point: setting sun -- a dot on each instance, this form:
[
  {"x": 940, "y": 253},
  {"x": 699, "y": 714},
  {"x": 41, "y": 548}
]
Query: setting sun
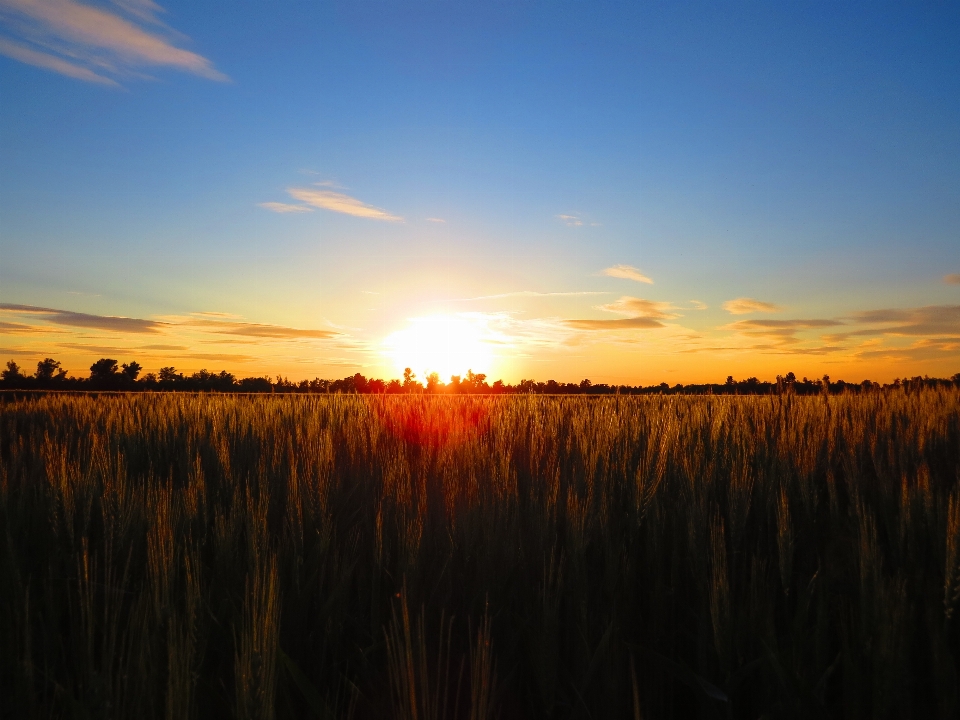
[{"x": 444, "y": 344}]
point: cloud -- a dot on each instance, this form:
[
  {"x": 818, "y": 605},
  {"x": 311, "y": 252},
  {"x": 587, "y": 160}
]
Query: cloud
[
  {"x": 623, "y": 324},
  {"x": 340, "y": 203},
  {"x": 84, "y": 320},
  {"x": 218, "y": 315},
  {"x": 570, "y": 220},
  {"x": 436, "y": 220},
  {"x": 771, "y": 326},
  {"x": 533, "y": 293},
  {"x": 627, "y": 272},
  {"x": 11, "y": 328},
  {"x": 743, "y": 306},
  {"x": 644, "y": 314},
  {"x": 28, "y": 56},
  {"x": 279, "y": 207},
  {"x": 218, "y": 323},
  {"x": 783, "y": 332},
  {"x": 952, "y": 279},
  {"x": 90, "y": 43},
  {"x": 929, "y": 320},
  {"x": 697, "y": 305},
  {"x": 261, "y": 330},
  {"x": 638, "y": 307},
  {"x": 218, "y": 358}
]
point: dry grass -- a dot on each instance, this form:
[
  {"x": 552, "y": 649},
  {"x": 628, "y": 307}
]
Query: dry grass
[{"x": 471, "y": 558}]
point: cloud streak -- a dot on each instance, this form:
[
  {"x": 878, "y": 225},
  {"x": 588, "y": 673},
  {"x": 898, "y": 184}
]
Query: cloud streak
[
  {"x": 85, "y": 320},
  {"x": 952, "y": 279},
  {"x": 638, "y": 307},
  {"x": 744, "y": 306},
  {"x": 643, "y": 315},
  {"x": 634, "y": 323},
  {"x": 91, "y": 44},
  {"x": 261, "y": 330},
  {"x": 279, "y": 207},
  {"x": 533, "y": 293},
  {"x": 341, "y": 203},
  {"x": 627, "y": 272}
]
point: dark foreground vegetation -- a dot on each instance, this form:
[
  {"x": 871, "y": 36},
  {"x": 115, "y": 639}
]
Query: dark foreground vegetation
[
  {"x": 176, "y": 555},
  {"x": 107, "y": 375}
]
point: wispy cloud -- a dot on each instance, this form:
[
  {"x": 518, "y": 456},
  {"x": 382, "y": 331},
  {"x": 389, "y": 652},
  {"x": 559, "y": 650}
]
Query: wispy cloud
[
  {"x": 952, "y": 279},
  {"x": 621, "y": 324},
  {"x": 532, "y": 293},
  {"x": 341, "y": 203},
  {"x": 639, "y": 307},
  {"x": 85, "y": 320},
  {"x": 436, "y": 220},
  {"x": 12, "y": 328},
  {"x": 210, "y": 322},
  {"x": 763, "y": 326},
  {"x": 46, "y": 61},
  {"x": 697, "y": 305},
  {"x": 261, "y": 330},
  {"x": 279, "y": 207},
  {"x": 783, "y": 332},
  {"x": 93, "y": 44},
  {"x": 627, "y": 272},
  {"x": 930, "y": 320},
  {"x": 744, "y": 306},
  {"x": 570, "y": 220},
  {"x": 643, "y": 314}
]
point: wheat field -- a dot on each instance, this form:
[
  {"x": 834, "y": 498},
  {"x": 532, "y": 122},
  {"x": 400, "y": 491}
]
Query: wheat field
[{"x": 345, "y": 556}]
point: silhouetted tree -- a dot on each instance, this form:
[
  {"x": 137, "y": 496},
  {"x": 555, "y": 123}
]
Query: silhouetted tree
[
  {"x": 257, "y": 384},
  {"x": 168, "y": 374},
  {"x": 132, "y": 370},
  {"x": 49, "y": 368},
  {"x": 12, "y": 373},
  {"x": 104, "y": 369},
  {"x": 410, "y": 383}
]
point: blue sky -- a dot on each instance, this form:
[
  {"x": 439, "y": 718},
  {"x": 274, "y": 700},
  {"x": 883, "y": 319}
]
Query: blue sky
[{"x": 802, "y": 157}]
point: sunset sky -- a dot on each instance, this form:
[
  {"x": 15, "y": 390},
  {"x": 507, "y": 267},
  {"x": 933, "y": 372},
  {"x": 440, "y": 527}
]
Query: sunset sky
[{"x": 632, "y": 192}]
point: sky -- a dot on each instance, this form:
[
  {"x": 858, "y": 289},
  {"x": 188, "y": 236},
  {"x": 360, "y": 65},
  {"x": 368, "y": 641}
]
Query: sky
[{"x": 626, "y": 192}]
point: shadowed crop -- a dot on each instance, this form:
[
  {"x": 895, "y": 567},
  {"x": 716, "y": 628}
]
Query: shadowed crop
[{"x": 174, "y": 556}]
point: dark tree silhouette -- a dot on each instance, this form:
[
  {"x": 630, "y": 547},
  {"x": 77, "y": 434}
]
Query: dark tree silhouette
[
  {"x": 49, "y": 368},
  {"x": 12, "y": 372},
  {"x": 103, "y": 369},
  {"x": 132, "y": 370}
]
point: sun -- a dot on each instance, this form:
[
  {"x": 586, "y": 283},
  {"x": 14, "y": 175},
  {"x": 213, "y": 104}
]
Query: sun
[{"x": 444, "y": 344}]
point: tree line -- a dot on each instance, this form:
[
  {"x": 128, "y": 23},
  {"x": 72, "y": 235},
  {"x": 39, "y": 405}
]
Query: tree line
[{"x": 107, "y": 374}]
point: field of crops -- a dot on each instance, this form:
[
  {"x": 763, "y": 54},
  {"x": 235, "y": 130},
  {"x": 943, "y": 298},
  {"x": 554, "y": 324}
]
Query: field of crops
[{"x": 335, "y": 556}]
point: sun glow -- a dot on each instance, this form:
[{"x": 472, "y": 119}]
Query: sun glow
[{"x": 444, "y": 344}]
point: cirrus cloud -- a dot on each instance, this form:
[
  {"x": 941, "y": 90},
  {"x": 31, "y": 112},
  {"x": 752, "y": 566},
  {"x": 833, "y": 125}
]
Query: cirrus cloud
[
  {"x": 341, "y": 203},
  {"x": 92, "y": 44},
  {"x": 745, "y": 305},
  {"x": 639, "y": 307},
  {"x": 279, "y": 207},
  {"x": 627, "y": 272},
  {"x": 85, "y": 320}
]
